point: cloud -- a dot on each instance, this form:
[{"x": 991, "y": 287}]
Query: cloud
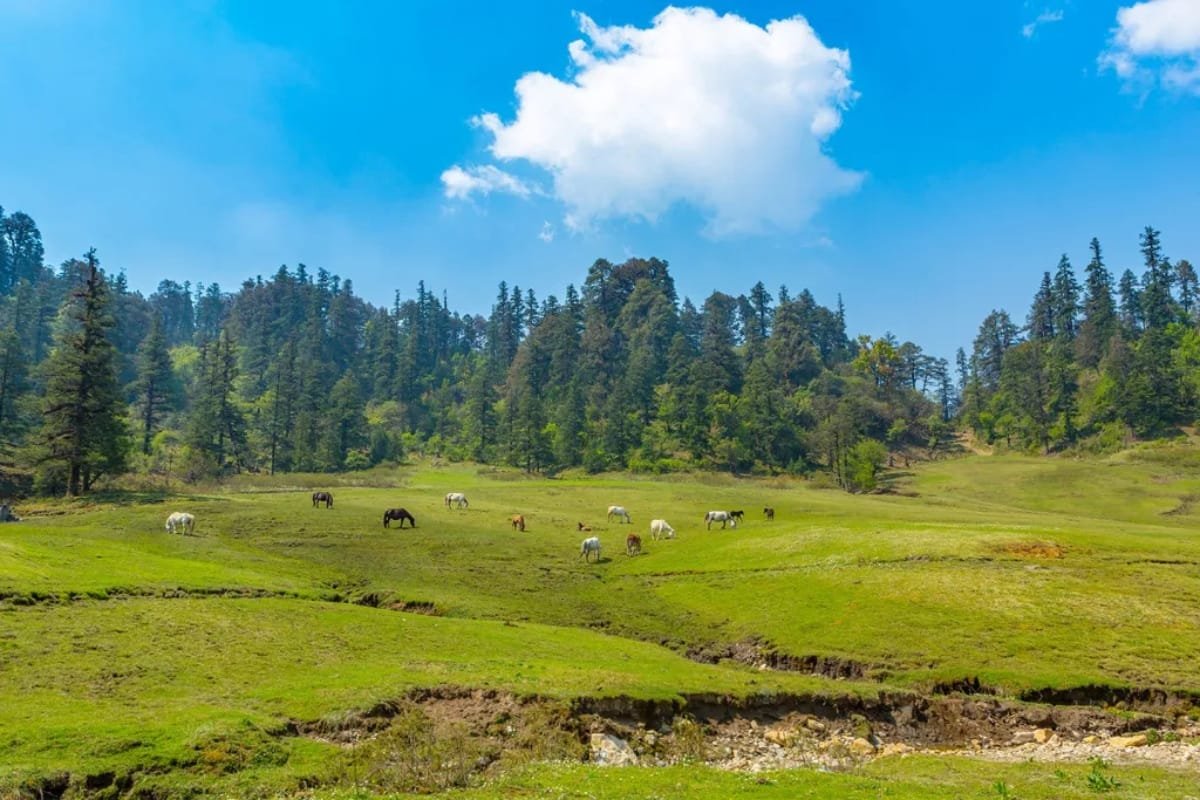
[
  {"x": 1045, "y": 18},
  {"x": 1156, "y": 42},
  {"x": 715, "y": 112},
  {"x": 547, "y": 232},
  {"x": 460, "y": 184}
]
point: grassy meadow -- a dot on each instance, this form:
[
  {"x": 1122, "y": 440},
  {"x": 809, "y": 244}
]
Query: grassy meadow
[{"x": 127, "y": 650}]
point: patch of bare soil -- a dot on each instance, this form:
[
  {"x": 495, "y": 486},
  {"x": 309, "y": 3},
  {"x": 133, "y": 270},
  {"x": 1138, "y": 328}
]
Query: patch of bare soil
[
  {"x": 763, "y": 655},
  {"x": 1032, "y": 550},
  {"x": 778, "y": 731}
]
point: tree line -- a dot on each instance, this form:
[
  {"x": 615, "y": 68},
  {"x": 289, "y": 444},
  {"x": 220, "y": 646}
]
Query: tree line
[
  {"x": 294, "y": 372},
  {"x": 1096, "y": 363}
]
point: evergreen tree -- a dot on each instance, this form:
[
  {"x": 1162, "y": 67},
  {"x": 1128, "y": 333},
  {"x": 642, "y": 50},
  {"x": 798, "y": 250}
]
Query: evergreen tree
[
  {"x": 1066, "y": 301},
  {"x": 1044, "y": 311},
  {"x": 345, "y": 426},
  {"x": 1099, "y": 312},
  {"x": 217, "y": 428},
  {"x": 154, "y": 387},
  {"x": 1188, "y": 288},
  {"x": 1130, "y": 304},
  {"x": 1156, "y": 301},
  {"x": 14, "y": 370},
  {"x": 83, "y": 434}
]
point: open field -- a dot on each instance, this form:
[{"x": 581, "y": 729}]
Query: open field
[{"x": 200, "y": 661}]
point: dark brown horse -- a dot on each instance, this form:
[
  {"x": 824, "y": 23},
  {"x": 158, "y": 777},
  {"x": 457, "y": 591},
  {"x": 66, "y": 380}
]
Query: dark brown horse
[
  {"x": 400, "y": 514},
  {"x": 323, "y": 497},
  {"x": 769, "y": 512},
  {"x": 633, "y": 544}
]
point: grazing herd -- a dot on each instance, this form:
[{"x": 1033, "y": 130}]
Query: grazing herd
[{"x": 183, "y": 523}]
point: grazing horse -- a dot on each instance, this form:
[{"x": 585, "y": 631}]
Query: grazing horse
[
  {"x": 737, "y": 515},
  {"x": 583, "y": 527},
  {"x": 323, "y": 497},
  {"x": 660, "y": 529},
  {"x": 588, "y": 546},
  {"x": 633, "y": 545},
  {"x": 456, "y": 499},
  {"x": 769, "y": 512},
  {"x": 518, "y": 522},
  {"x": 7, "y": 514},
  {"x": 722, "y": 517},
  {"x": 619, "y": 512},
  {"x": 181, "y": 522},
  {"x": 399, "y": 514}
]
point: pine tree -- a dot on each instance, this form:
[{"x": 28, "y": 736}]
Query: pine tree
[
  {"x": 216, "y": 425},
  {"x": 83, "y": 434},
  {"x": 1043, "y": 313},
  {"x": 1131, "y": 304},
  {"x": 1189, "y": 289},
  {"x": 1066, "y": 301},
  {"x": 345, "y": 425},
  {"x": 1099, "y": 312},
  {"x": 14, "y": 370},
  {"x": 154, "y": 386},
  {"x": 1156, "y": 301},
  {"x": 7, "y": 280}
]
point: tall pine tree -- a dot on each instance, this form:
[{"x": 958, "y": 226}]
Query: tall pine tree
[{"x": 83, "y": 434}]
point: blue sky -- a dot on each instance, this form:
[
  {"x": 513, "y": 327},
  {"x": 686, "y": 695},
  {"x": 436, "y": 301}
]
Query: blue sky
[{"x": 214, "y": 141}]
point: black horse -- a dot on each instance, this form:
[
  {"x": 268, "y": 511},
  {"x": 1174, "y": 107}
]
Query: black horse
[
  {"x": 737, "y": 514},
  {"x": 400, "y": 514},
  {"x": 323, "y": 497}
]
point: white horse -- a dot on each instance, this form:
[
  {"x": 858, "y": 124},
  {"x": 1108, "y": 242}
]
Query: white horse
[
  {"x": 456, "y": 499},
  {"x": 722, "y": 517},
  {"x": 181, "y": 522},
  {"x": 660, "y": 529},
  {"x": 619, "y": 512},
  {"x": 588, "y": 546}
]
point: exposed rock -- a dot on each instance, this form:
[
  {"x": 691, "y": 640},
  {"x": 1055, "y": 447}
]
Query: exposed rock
[
  {"x": 1136, "y": 740},
  {"x": 1092, "y": 739},
  {"x": 814, "y": 724},
  {"x": 784, "y": 737},
  {"x": 1043, "y": 735},
  {"x": 1022, "y": 737},
  {"x": 611, "y": 751},
  {"x": 895, "y": 749},
  {"x": 861, "y": 748}
]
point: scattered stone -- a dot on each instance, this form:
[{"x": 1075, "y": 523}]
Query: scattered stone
[
  {"x": 611, "y": 751},
  {"x": 814, "y": 725},
  {"x": 1136, "y": 740},
  {"x": 1092, "y": 739},
  {"x": 861, "y": 748},
  {"x": 1022, "y": 737},
  {"x": 1043, "y": 735},
  {"x": 784, "y": 737},
  {"x": 895, "y": 749}
]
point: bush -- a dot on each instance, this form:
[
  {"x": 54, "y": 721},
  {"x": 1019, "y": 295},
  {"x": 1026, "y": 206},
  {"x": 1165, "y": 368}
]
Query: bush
[{"x": 863, "y": 464}]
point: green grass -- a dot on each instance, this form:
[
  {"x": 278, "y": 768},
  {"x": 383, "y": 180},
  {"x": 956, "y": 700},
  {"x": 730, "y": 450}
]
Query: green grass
[
  {"x": 911, "y": 778},
  {"x": 119, "y": 642}
]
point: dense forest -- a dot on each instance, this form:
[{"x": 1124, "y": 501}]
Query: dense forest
[
  {"x": 1096, "y": 364},
  {"x": 295, "y": 373}
]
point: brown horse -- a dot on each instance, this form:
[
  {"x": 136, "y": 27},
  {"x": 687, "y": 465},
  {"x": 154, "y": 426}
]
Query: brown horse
[
  {"x": 583, "y": 527},
  {"x": 633, "y": 544},
  {"x": 518, "y": 522},
  {"x": 323, "y": 497},
  {"x": 769, "y": 512},
  {"x": 400, "y": 514}
]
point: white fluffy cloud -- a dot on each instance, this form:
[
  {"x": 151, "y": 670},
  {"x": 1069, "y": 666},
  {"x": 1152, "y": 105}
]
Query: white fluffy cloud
[
  {"x": 713, "y": 111},
  {"x": 1047, "y": 17},
  {"x": 1157, "y": 40},
  {"x": 460, "y": 184}
]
